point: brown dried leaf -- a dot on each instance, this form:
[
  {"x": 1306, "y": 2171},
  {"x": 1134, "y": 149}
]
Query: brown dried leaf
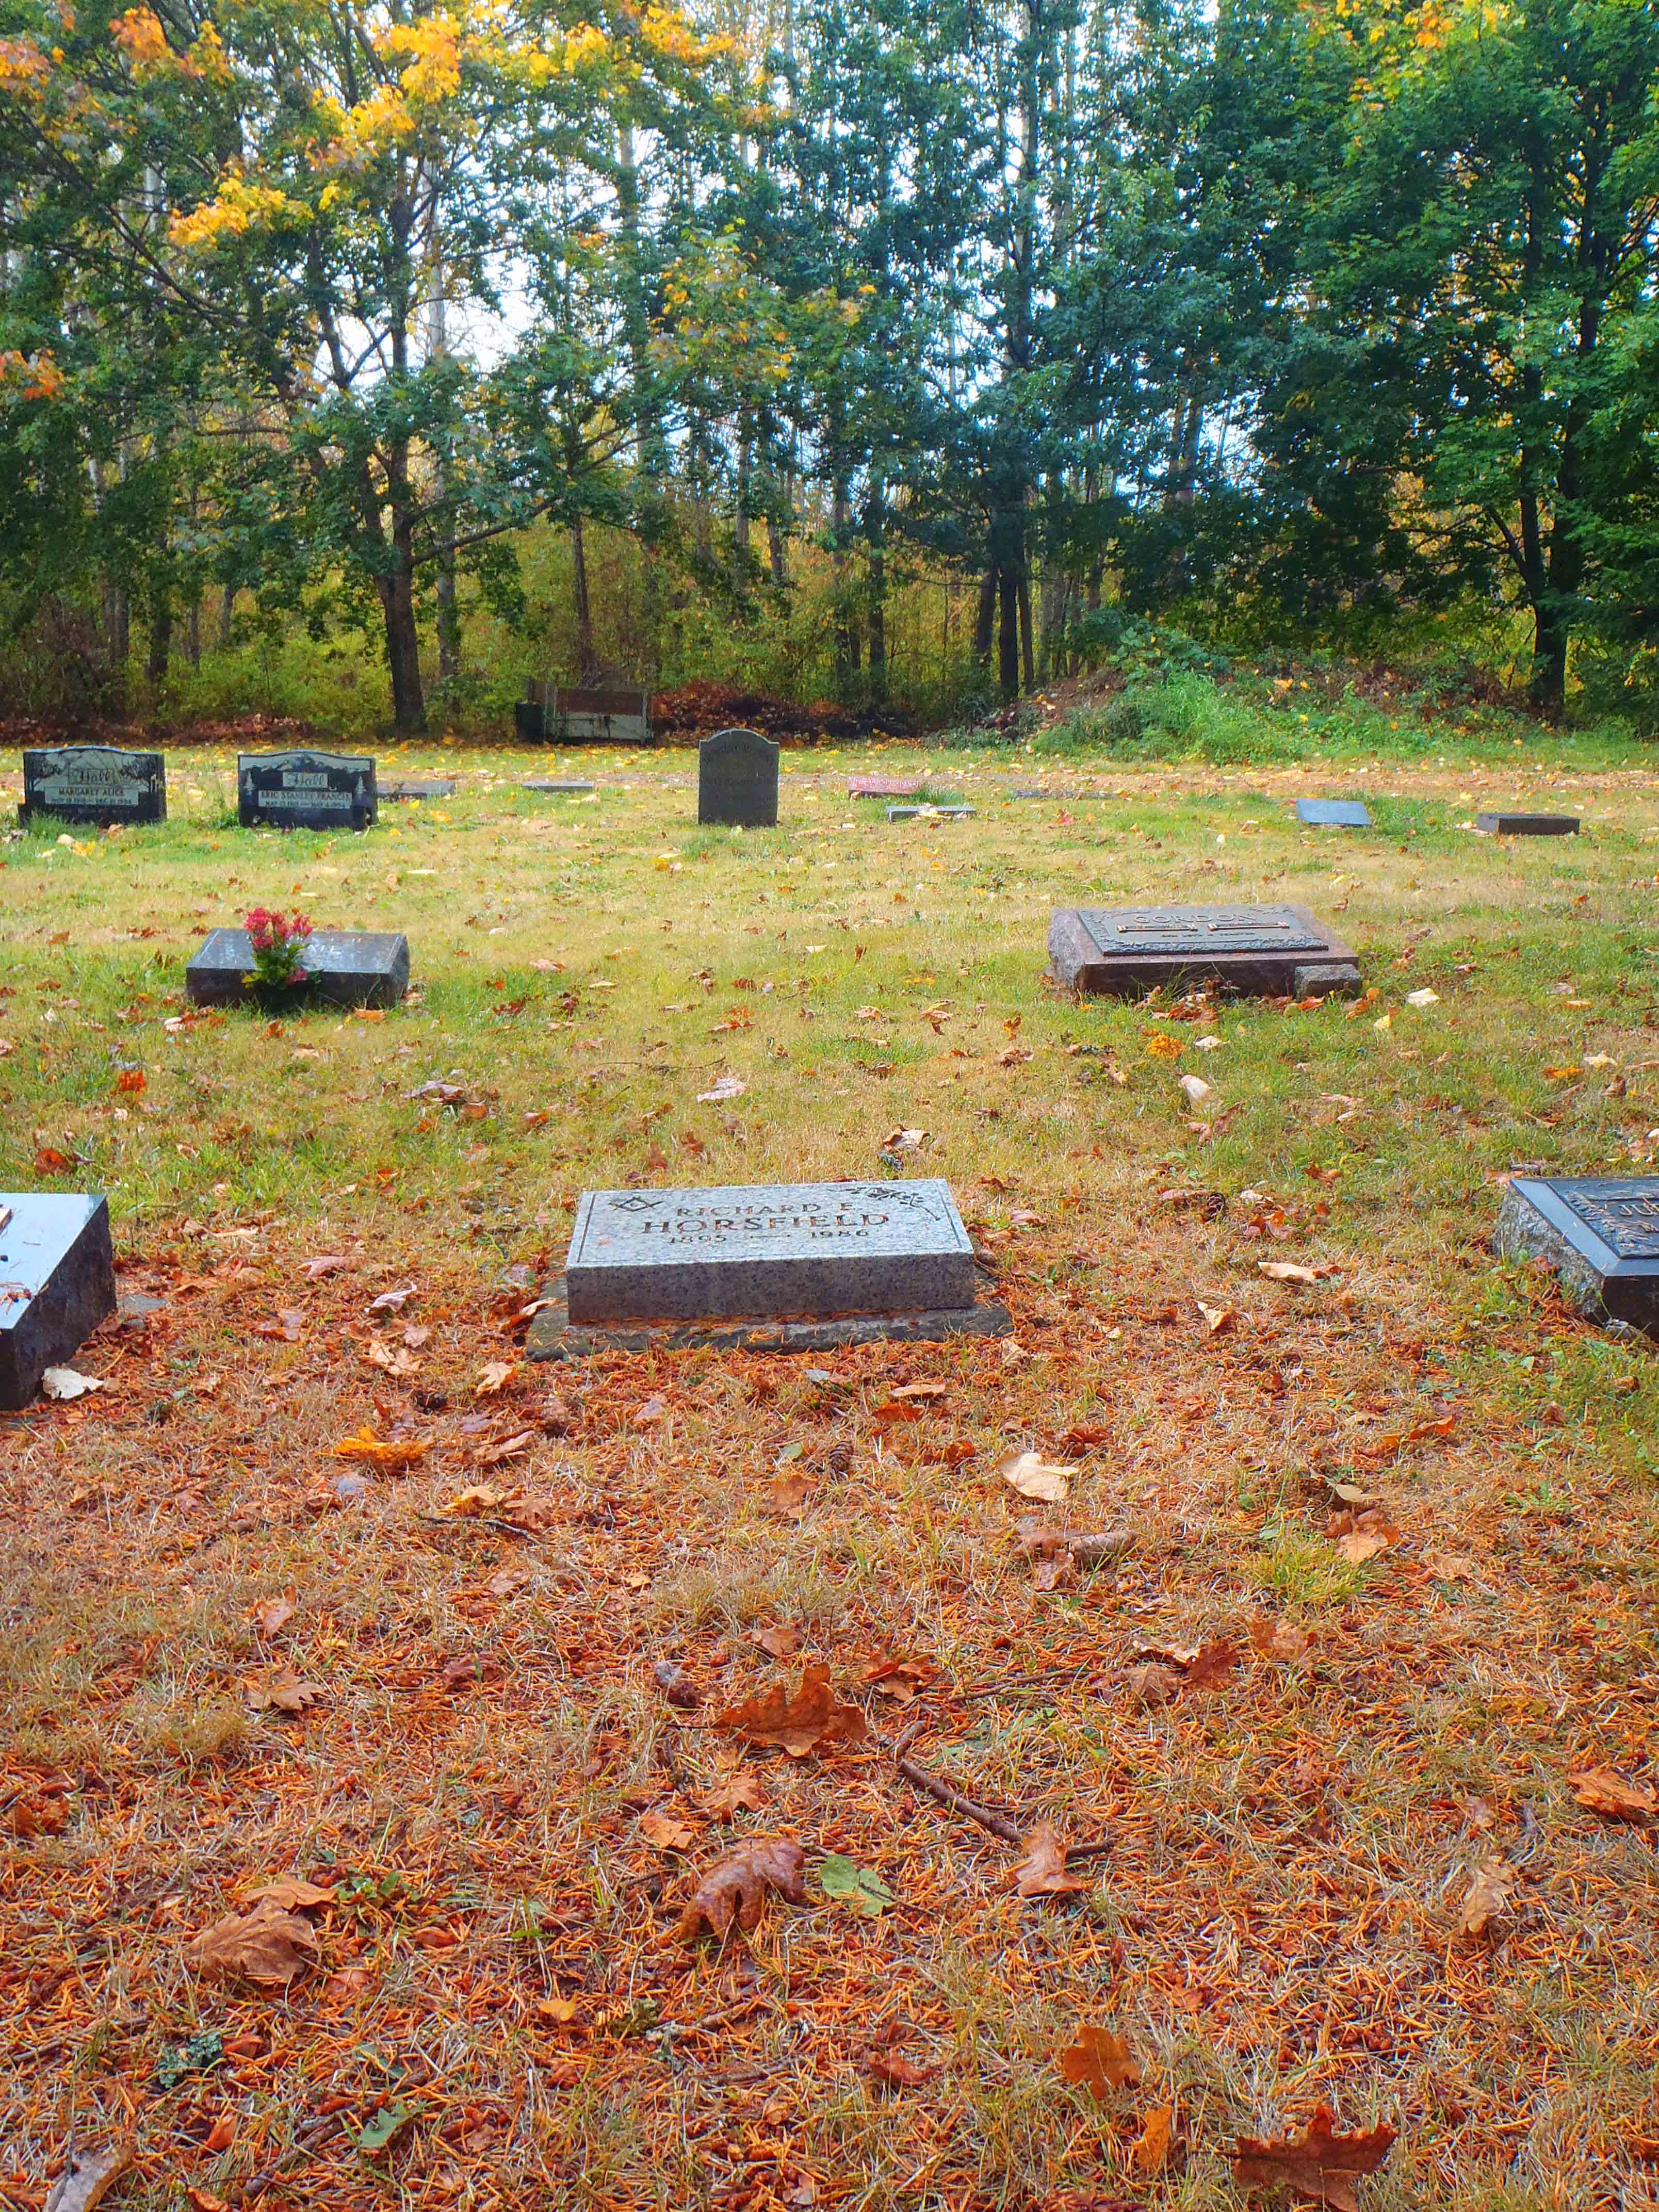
[
  {"x": 267, "y": 1946},
  {"x": 89, "y": 2177},
  {"x": 1030, "y": 1474},
  {"x": 798, "y": 1722},
  {"x": 1360, "y": 1545},
  {"x": 272, "y": 1613},
  {"x": 1318, "y": 2164},
  {"x": 292, "y": 1893},
  {"x": 779, "y": 1642},
  {"x": 1216, "y": 1318},
  {"x": 1211, "y": 1664},
  {"x": 1600, "y": 1790},
  {"x": 1149, "y": 2153},
  {"x": 895, "y": 2071},
  {"x": 281, "y": 1690},
  {"x": 494, "y": 1378},
  {"x": 1099, "y": 2062},
  {"x": 1290, "y": 1271},
  {"x": 666, "y": 1831},
  {"x": 512, "y": 1447},
  {"x": 906, "y": 1390},
  {"x": 1151, "y": 1684},
  {"x": 737, "y": 1886},
  {"x": 732, "y": 1794},
  {"x": 1041, "y": 1871},
  {"x": 788, "y": 1493},
  {"x": 1277, "y": 1639},
  {"x": 1491, "y": 1892}
]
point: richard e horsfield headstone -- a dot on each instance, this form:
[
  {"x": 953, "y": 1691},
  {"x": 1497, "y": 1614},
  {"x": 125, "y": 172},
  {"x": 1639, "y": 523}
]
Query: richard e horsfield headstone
[
  {"x": 1276, "y": 951},
  {"x": 305, "y": 791},
  {"x": 795, "y": 1265},
  {"x": 57, "y": 1284},
  {"x": 737, "y": 779},
  {"x": 1599, "y": 1233},
  {"x": 1500, "y": 824},
  {"x": 1334, "y": 813},
  {"x": 96, "y": 784},
  {"x": 346, "y": 967}
]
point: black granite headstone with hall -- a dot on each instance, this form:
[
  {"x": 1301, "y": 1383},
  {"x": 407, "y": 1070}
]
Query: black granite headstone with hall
[
  {"x": 345, "y": 967},
  {"x": 1273, "y": 950},
  {"x": 737, "y": 779},
  {"x": 305, "y": 791},
  {"x": 57, "y": 1284},
  {"x": 100, "y": 785},
  {"x": 1601, "y": 1235}
]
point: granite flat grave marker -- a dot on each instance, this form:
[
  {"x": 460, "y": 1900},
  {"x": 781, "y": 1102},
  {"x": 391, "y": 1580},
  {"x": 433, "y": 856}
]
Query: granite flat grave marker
[
  {"x": 1601, "y": 1235},
  {"x": 1334, "y": 813},
  {"x": 96, "y": 784},
  {"x": 412, "y": 788},
  {"x": 949, "y": 810},
  {"x": 57, "y": 1284},
  {"x": 1277, "y": 950},
  {"x": 568, "y": 786},
  {"x": 797, "y": 1266},
  {"x": 345, "y": 967},
  {"x": 1500, "y": 824},
  {"x": 305, "y": 791},
  {"x": 882, "y": 787},
  {"x": 737, "y": 779}
]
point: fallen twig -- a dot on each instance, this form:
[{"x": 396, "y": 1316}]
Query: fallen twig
[{"x": 934, "y": 1786}]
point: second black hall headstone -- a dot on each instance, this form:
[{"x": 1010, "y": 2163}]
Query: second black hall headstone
[
  {"x": 737, "y": 779},
  {"x": 100, "y": 784},
  {"x": 305, "y": 791}
]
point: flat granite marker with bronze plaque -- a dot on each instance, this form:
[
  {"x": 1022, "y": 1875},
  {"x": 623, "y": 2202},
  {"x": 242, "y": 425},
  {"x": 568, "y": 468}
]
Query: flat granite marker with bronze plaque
[
  {"x": 57, "y": 1284},
  {"x": 345, "y": 967},
  {"x": 784, "y": 1268},
  {"x": 1599, "y": 1233},
  {"x": 737, "y": 781},
  {"x": 102, "y": 785},
  {"x": 1275, "y": 952},
  {"x": 305, "y": 791}
]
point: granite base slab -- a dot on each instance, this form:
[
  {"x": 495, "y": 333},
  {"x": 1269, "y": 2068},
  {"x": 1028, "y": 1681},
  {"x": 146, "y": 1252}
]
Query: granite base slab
[
  {"x": 575, "y": 786},
  {"x": 1527, "y": 825},
  {"x": 1600, "y": 1233},
  {"x": 437, "y": 787},
  {"x": 1258, "y": 950},
  {"x": 554, "y": 1335},
  {"x": 57, "y": 1284},
  {"x": 1334, "y": 813},
  {"x": 345, "y": 967}
]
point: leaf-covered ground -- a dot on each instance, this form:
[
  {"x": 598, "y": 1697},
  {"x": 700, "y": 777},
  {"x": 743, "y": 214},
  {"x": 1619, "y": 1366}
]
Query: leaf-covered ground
[{"x": 481, "y": 1669}]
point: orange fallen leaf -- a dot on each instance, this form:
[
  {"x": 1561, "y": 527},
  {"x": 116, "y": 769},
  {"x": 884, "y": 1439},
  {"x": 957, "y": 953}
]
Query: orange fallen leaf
[
  {"x": 390, "y": 1456},
  {"x": 1150, "y": 2152},
  {"x": 267, "y": 1946},
  {"x": 1601, "y": 1790},
  {"x": 738, "y": 1886},
  {"x": 797, "y": 1722},
  {"x": 1041, "y": 1871},
  {"x": 272, "y": 1613},
  {"x": 740, "y": 1792},
  {"x": 666, "y": 1831},
  {"x": 1490, "y": 1894},
  {"x": 1319, "y": 2163},
  {"x": 1099, "y": 2062},
  {"x": 1277, "y": 1639},
  {"x": 282, "y": 1691},
  {"x": 292, "y": 1893},
  {"x": 1360, "y": 1545},
  {"x": 496, "y": 1377}
]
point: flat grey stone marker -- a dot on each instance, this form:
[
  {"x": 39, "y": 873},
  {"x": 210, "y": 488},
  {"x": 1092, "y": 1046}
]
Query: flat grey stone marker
[
  {"x": 737, "y": 779},
  {"x": 1274, "y": 950},
  {"x": 884, "y": 786},
  {"x": 949, "y": 813},
  {"x": 305, "y": 791},
  {"x": 1600, "y": 1232},
  {"x": 1334, "y": 813},
  {"x": 57, "y": 1284},
  {"x": 97, "y": 784},
  {"x": 573, "y": 786},
  {"x": 1527, "y": 825},
  {"x": 436, "y": 786},
  {"x": 345, "y": 967}
]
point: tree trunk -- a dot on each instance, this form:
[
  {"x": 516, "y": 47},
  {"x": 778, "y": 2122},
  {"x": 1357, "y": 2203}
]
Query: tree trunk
[
  {"x": 402, "y": 647},
  {"x": 587, "y": 659},
  {"x": 1028, "y": 659},
  {"x": 985, "y": 618},
  {"x": 227, "y": 617},
  {"x": 193, "y": 633},
  {"x": 1008, "y": 635}
]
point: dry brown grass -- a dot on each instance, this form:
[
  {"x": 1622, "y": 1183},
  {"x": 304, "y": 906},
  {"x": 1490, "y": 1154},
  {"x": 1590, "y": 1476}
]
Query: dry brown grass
[{"x": 1276, "y": 1923}]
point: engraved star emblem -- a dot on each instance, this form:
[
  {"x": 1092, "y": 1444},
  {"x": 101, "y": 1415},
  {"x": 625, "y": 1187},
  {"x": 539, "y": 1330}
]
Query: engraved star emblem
[{"x": 634, "y": 1204}]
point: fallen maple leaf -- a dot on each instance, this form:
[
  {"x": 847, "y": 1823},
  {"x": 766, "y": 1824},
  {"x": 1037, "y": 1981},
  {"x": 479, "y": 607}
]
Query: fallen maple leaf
[
  {"x": 267, "y": 1946},
  {"x": 736, "y": 1886},
  {"x": 1099, "y": 2062},
  {"x": 666, "y": 1832},
  {"x": 732, "y": 1794},
  {"x": 1041, "y": 1871},
  {"x": 496, "y": 1377},
  {"x": 1029, "y": 1474},
  {"x": 292, "y": 1893},
  {"x": 800, "y": 1721},
  {"x": 1149, "y": 2153},
  {"x": 1210, "y": 1664},
  {"x": 272, "y": 1613},
  {"x": 1291, "y": 1271},
  {"x": 282, "y": 1691},
  {"x": 394, "y": 1358},
  {"x": 478, "y": 1501},
  {"x": 1489, "y": 1894},
  {"x": 1360, "y": 1545},
  {"x": 1318, "y": 2164},
  {"x": 1277, "y": 1639},
  {"x": 328, "y": 1263},
  {"x": 512, "y": 1447},
  {"x": 388, "y": 1457},
  {"x": 89, "y": 2177},
  {"x": 1601, "y": 1790}
]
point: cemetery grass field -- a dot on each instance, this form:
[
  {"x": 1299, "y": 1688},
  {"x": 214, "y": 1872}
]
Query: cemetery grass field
[{"x": 326, "y": 1582}]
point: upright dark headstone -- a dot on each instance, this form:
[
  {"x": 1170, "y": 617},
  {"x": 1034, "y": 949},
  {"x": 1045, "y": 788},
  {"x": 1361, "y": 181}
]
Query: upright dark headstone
[
  {"x": 346, "y": 967},
  {"x": 1501, "y": 824},
  {"x": 57, "y": 1284},
  {"x": 1275, "y": 950},
  {"x": 305, "y": 791},
  {"x": 786, "y": 1267},
  {"x": 1334, "y": 813},
  {"x": 96, "y": 784},
  {"x": 1599, "y": 1233},
  {"x": 737, "y": 779}
]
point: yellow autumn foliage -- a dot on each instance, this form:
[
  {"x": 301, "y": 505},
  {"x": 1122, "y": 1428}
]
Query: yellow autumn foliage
[{"x": 236, "y": 209}]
